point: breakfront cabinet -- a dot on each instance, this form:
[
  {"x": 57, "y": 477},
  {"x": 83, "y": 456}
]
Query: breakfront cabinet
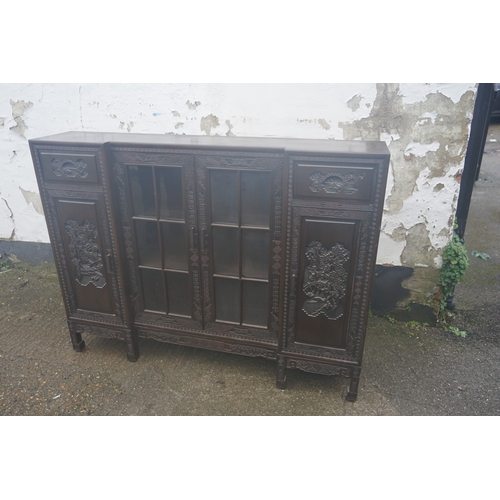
[{"x": 261, "y": 247}]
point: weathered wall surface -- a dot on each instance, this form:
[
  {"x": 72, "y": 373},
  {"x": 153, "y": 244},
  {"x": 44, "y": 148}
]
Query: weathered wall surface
[{"x": 426, "y": 127}]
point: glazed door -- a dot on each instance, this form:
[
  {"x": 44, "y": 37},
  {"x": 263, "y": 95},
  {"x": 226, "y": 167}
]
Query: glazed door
[
  {"x": 240, "y": 235},
  {"x": 160, "y": 228}
]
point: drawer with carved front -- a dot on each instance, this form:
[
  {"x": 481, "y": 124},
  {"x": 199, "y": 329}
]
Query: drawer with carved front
[
  {"x": 71, "y": 167},
  {"x": 335, "y": 182}
]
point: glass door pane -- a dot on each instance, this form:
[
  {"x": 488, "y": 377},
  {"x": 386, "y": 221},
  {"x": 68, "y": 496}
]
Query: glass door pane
[
  {"x": 164, "y": 237},
  {"x": 240, "y": 211}
]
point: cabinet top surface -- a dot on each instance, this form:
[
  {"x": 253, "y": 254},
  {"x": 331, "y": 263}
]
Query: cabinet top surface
[{"x": 275, "y": 144}]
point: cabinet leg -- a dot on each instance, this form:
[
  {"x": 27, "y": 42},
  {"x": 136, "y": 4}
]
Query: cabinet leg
[
  {"x": 132, "y": 346},
  {"x": 353, "y": 386},
  {"x": 76, "y": 338},
  {"x": 281, "y": 373}
]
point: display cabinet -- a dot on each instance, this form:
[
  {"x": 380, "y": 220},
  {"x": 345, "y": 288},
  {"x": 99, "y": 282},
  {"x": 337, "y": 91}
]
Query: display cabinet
[{"x": 254, "y": 246}]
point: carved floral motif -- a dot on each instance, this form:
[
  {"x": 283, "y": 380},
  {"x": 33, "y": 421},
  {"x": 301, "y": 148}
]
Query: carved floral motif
[
  {"x": 85, "y": 253},
  {"x": 334, "y": 182},
  {"x": 325, "y": 280},
  {"x": 69, "y": 168}
]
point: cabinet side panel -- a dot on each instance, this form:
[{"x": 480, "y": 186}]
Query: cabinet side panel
[{"x": 326, "y": 271}]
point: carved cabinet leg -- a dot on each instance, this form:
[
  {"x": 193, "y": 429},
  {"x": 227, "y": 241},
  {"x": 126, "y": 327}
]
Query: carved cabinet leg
[
  {"x": 132, "y": 346},
  {"x": 281, "y": 373},
  {"x": 76, "y": 338},
  {"x": 353, "y": 386}
]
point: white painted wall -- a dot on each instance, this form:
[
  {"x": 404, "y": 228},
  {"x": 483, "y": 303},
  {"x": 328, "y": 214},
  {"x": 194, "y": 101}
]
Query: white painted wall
[{"x": 321, "y": 111}]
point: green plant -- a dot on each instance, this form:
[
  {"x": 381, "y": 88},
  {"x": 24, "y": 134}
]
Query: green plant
[
  {"x": 455, "y": 263},
  {"x": 415, "y": 325},
  {"x": 456, "y": 331},
  {"x": 391, "y": 319}
]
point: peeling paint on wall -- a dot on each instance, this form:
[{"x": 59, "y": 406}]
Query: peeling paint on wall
[
  {"x": 33, "y": 198},
  {"x": 426, "y": 128},
  {"x": 18, "y": 109},
  {"x": 9, "y": 214},
  {"x": 427, "y": 139},
  {"x": 129, "y": 125},
  {"x": 209, "y": 122},
  {"x": 324, "y": 124},
  {"x": 229, "y": 133},
  {"x": 193, "y": 105},
  {"x": 320, "y": 121},
  {"x": 354, "y": 103}
]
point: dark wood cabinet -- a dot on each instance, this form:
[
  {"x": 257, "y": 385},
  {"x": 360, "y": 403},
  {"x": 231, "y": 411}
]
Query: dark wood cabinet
[{"x": 261, "y": 247}]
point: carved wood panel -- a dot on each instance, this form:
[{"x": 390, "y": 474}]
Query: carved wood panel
[
  {"x": 348, "y": 181},
  {"x": 348, "y": 302}
]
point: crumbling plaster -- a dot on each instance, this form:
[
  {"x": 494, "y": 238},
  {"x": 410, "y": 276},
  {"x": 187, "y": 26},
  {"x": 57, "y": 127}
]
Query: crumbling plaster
[{"x": 426, "y": 127}]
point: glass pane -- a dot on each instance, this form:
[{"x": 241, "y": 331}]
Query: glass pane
[
  {"x": 255, "y": 303},
  {"x": 255, "y": 253},
  {"x": 148, "y": 243},
  {"x": 174, "y": 245},
  {"x": 255, "y": 198},
  {"x": 225, "y": 246},
  {"x": 142, "y": 191},
  {"x": 179, "y": 300},
  {"x": 170, "y": 192},
  {"x": 227, "y": 300},
  {"x": 152, "y": 290},
  {"x": 224, "y": 196}
]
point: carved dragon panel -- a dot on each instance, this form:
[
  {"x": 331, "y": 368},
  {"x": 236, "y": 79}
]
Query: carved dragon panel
[
  {"x": 85, "y": 253},
  {"x": 325, "y": 280}
]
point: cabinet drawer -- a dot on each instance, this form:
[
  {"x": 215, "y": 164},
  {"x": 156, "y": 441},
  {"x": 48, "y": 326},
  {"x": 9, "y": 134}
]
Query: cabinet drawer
[
  {"x": 71, "y": 167},
  {"x": 335, "y": 182}
]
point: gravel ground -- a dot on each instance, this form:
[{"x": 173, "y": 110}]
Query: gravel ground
[{"x": 408, "y": 369}]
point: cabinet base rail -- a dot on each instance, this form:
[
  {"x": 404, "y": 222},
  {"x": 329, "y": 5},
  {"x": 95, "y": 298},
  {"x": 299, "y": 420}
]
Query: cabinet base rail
[{"x": 283, "y": 362}]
